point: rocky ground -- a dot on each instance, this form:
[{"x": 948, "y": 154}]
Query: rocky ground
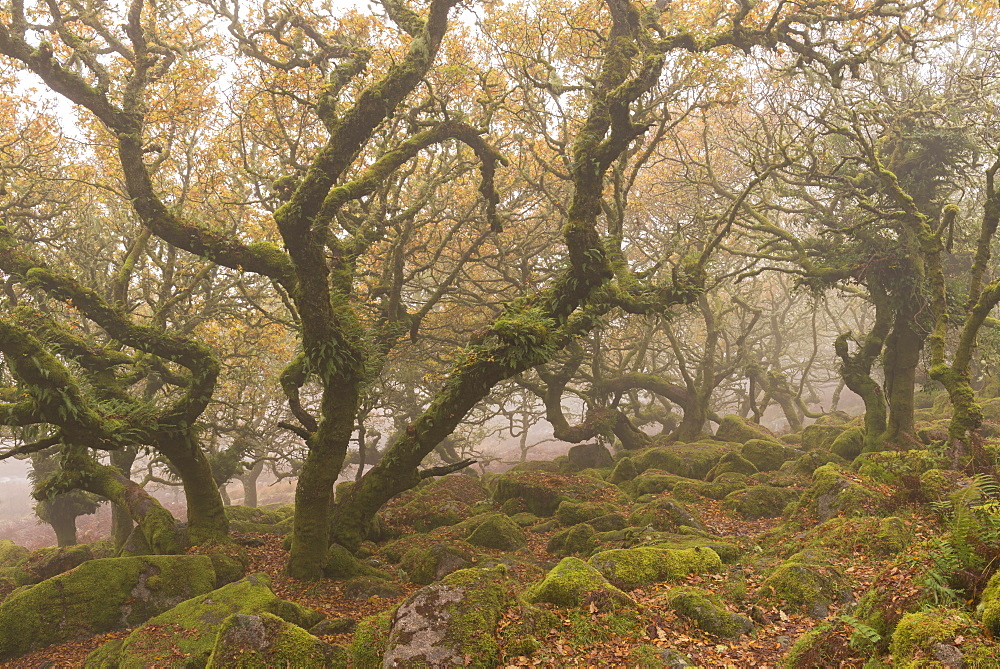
[{"x": 741, "y": 551}]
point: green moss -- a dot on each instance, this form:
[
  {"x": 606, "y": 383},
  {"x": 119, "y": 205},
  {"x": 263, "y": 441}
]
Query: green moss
[
  {"x": 917, "y": 633},
  {"x": 624, "y": 471},
  {"x": 11, "y": 553},
  {"x": 426, "y": 565},
  {"x": 761, "y": 501},
  {"x": 731, "y": 463},
  {"x": 741, "y": 430},
  {"x": 576, "y": 540},
  {"x": 573, "y": 513},
  {"x": 807, "y": 581},
  {"x": 811, "y": 461},
  {"x": 249, "y": 514},
  {"x": 646, "y": 656},
  {"x": 849, "y": 443},
  {"x": 707, "y": 612},
  {"x": 190, "y": 628},
  {"x": 692, "y": 461},
  {"x": 497, "y": 531},
  {"x": 665, "y": 515},
  {"x": 988, "y": 609},
  {"x": 816, "y": 437},
  {"x": 766, "y": 454},
  {"x": 99, "y": 596},
  {"x": 370, "y": 640},
  {"x": 728, "y": 552},
  {"x": 47, "y": 562},
  {"x": 630, "y": 568},
  {"x": 569, "y": 583}
]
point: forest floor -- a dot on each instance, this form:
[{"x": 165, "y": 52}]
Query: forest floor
[{"x": 773, "y": 635}]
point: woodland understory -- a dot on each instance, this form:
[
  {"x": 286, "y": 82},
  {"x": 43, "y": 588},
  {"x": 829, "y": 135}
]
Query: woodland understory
[{"x": 730, "y": 260}]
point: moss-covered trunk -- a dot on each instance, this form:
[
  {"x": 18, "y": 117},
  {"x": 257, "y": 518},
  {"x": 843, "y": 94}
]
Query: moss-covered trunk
[
  {"x": 314, "y": 490},
  {"x": 899, "y": 364},
  {"x": 205, "y": 509},
  {"x": 62, "y": 518}
]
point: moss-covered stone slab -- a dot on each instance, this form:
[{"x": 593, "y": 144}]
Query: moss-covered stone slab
[
  {"x": 498, "y": 531},
  {"x": 808, "y": 582},
  {"x": 189, "y": 630},
  {"x": 250, "y": 514},
  {"x": 450, "y": 623},
  {"x": 741, "y": 430},
  {"x": 759, "y": 501},
  {"x": 728, "y": 552},
  {"x": 629, "y": 568},
  {"x": 707, "y": 612},
  {"x": 99, "y": 596},
  {"x": 570, "y": 582},
  {"x": 48, "y": 562},
  {"x": 692, "y": 461},
  {"x": 653, "y": 482},
  {"x": 265, "y": 640}
]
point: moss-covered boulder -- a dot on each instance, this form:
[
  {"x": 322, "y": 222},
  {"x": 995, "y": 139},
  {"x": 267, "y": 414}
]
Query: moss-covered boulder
[
  {"x": 570, "y": 582},
  {"x": 648, "y": 656},
  {"x": 816, "y": 437},
  {"x": 229, "y": 560},
  {"x": 624, "y": 470},
  {"x": 450, "y": 623},
  {"x": 370, "y": 640},
  {"x": 440, "y": 502},
  {"x": 664, "y": 515},
  {"x": 426, "y": 565},
  {"x": 341, "y": 565},
  {"x": 573, "y": 513},
  {"x": 589, "y": 456},
  {"x": 265, "y": 640},
  {"x": 576, "y": 540},
  {"x": 811, "y": 461},
  {"x": 988, "y": 609},
  {"x": 707, "y": 612},
  {"x": 497, "y": 530},
  {"x": 740, "y": 430},
  {"x": 47, "y": 562},
  {"x": 850, "y": 443},
  {"x": 731, "y": 463},
  {"x": 692, "y": 461},
  {"x": 99, "y": 596},
  {"x": 759, "y": 501},
  {"x": 11, "y": 553},
  {"x": 542, "y": 492},
  {"x": 609, "y": 522},
  {"x": 807, "y": 582},
  {"x": 875, "y": 537},
  {"x": 251, "y": 514},
  {"x": 189, "y": 630},
  {"x": 947, "y": 635},
  {"x": 768, "y": 455},
  {"x": 629, "y": 568},
  {"x": 832, "y": 492}
]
